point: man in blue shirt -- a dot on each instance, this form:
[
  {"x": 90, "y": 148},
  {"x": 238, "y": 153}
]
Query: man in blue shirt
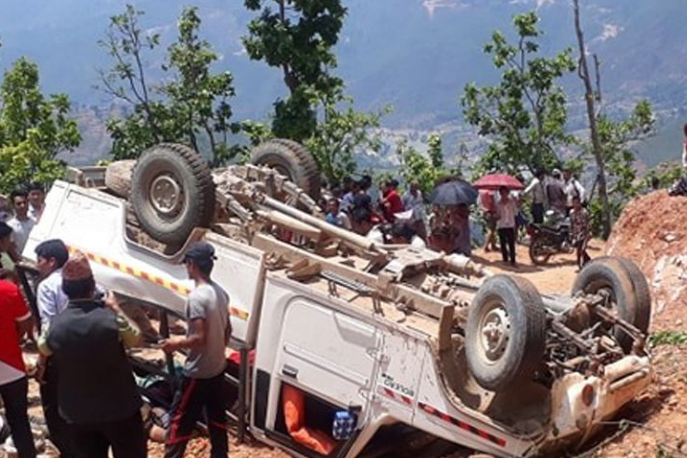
[{"x": 51, "y": 300}]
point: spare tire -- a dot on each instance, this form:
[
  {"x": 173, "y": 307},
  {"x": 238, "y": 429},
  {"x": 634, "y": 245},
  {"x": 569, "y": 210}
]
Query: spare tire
[
  {"x": 610, "y": 275},
  {"x": 505, "y": 337},
  {"x": 642, "y": 294},
  {"x": 118, "y": 177},
  {"x": 292, "y": 160},
  {"x": 172, "y": 192}
]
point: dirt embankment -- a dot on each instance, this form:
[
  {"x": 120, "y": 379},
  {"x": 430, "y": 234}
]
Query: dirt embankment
[{"x": 652, "y": 231}]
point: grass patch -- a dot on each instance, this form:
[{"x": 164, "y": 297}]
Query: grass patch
[{"x": 668, "y": 337}]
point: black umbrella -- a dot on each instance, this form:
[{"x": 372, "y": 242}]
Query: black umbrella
[{"x": 454, "y": 192}]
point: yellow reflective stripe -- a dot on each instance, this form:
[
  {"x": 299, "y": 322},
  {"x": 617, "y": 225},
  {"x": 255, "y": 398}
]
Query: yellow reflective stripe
[
  {"x": 176, "y": 287},
  {"x": 238, "y": 313}
]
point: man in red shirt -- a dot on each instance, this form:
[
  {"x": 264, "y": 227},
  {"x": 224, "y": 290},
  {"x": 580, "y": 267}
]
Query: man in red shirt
[
  {"x": 391, "y": 201},
  {"x": 15, "y": 321}
]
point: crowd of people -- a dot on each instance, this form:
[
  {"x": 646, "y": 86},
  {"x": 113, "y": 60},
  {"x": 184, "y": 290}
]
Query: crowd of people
[
  {"x": 397, "y": 218},
  {"x": 404, "y": 218},
  {"x": 560, "y": 194},
  {"x": 18, "y": 215}
]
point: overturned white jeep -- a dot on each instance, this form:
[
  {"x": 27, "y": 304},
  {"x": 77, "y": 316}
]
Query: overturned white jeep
[{"x": 407, "y": 341}]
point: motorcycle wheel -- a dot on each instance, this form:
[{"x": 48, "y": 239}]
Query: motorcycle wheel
[{"x": 539, "y": 251}]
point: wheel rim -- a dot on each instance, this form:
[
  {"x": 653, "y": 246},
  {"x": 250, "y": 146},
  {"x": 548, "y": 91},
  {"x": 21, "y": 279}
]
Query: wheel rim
[
  {"x": 494, "y": 333},
  {"x": 281, "y": 170},
  {"x": 605, "y": 290},
  {"x": 166, "y": 195}
]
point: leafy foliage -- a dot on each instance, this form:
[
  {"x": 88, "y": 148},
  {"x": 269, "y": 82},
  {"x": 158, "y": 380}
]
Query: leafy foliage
[
  {"x": 127, "y": 81},
  {"x": 192, "y": 106},
  {"x": 426, "y": 169},
  {"x": 298, "y": 37},
  {"x": 33, "y": 129},
  {"x": 668, "y": 337},
  {"x": 525, "y": 114},
  {"x": 342, "y": 134},
  {"x": 662, "y": 176}
]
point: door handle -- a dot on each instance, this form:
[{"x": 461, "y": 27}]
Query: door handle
[{"x": 289, "y": 371}]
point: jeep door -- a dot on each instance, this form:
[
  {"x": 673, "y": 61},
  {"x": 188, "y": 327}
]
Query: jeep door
[{"x": 311, "y": 343}]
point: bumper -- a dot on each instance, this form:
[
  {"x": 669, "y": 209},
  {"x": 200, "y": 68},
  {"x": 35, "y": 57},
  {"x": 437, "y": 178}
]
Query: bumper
[{"x": 581, "y": 404}]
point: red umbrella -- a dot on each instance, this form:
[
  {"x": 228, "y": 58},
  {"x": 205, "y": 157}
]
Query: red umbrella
[{"x": 494, "y": 181}]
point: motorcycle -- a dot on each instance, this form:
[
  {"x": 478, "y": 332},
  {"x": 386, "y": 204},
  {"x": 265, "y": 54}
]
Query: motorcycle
[{"x": 551, "y": 237}]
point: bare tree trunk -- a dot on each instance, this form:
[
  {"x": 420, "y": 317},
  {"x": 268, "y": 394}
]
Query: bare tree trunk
[
  {"x": 583, "y": 72},
  {"x": 289, "y": 77}
]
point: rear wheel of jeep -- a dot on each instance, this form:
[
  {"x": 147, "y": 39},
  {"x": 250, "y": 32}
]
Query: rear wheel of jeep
[
  {"x": 627, "y": 294},
  {"x": 642, "y": 294},
  {"x": 506, "y": 332},
  {"x": 172, "y": 192},
  {"x": 292, "y": 160}
]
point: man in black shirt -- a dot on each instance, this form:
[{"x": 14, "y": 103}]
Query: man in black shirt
[{"x": 97, "y": 394}]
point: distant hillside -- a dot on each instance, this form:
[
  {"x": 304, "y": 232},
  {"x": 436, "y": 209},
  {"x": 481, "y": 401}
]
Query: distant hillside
[{"x": 414, "y": 54}]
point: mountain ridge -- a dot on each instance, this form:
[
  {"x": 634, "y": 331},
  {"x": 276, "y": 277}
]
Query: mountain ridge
[{"x": 416, "y": 54}]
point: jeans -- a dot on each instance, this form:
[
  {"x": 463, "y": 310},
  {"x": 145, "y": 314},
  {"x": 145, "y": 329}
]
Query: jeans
[
  {"x": 538, "y": 213},
  {"x": 126, "y": 437},
  {"x": 14, "y": 396},
  {"x": 507, "y": 242},
  {"x": 60, "y": 431},
  {"x": 194, "y": 399}
]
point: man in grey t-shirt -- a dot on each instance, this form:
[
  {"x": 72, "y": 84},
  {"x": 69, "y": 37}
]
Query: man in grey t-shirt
[{"x": 201, "y": 391}]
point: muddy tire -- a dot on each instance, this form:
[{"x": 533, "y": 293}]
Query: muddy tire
[
  {"x": 172, "y": 192},
  {"x": 118, "y": 177},
  {"x": 292, "y": 160},
  {"x": 506, "y": 333},
  {"x": 642, "y": 294},
  {"x": 610, "y": 275},
  {"x": 642, "y": 290},
  {"x": 539, "y": 253}
]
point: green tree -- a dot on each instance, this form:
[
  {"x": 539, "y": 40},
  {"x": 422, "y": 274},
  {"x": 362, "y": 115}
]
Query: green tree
[
  {"x": 525, "y": 114},
  {"x": 198, "y": 98},
  {"x": 298, "y": 37},
  {"x": 34, "y": 129},
  {"x": 190, "y": 106},
  {"x": 616, "y": 138},
  {"x": 426, "y": 169},
  {"x": 342, "y": 134},
  {"x": 128, "y": 82}
]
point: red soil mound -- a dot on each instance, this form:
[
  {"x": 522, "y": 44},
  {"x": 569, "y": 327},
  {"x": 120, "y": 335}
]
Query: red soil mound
[{"x": 652, "y": 231}]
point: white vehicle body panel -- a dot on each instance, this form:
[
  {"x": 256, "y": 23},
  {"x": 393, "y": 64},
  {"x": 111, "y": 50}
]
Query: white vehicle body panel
[{"x": 93, "y": 222}]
